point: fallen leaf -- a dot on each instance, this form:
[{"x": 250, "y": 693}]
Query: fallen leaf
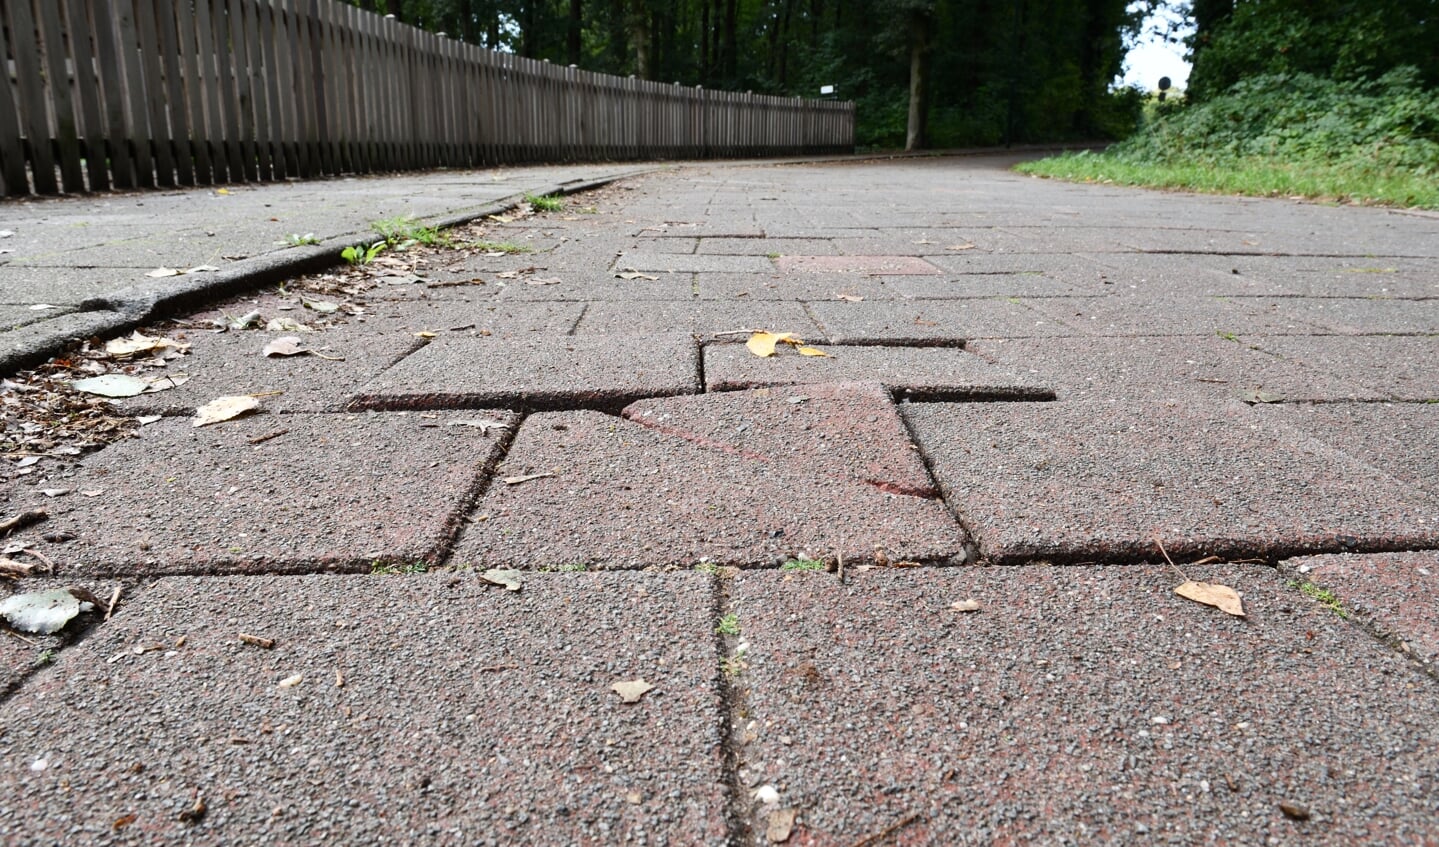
[
  {"x": 122, "y": 348},
  {"x": 40, "y": 307},
  {"x": 165, "y": 383},
  {"x": 202, "y": 269},
  {"x": 284, "y": 325},
  {"x": 112, "y": 385},
  {"x": 223, "y": 409},
  {"x": 635, "y": 275},
  {"x": 969, "y": 605},
  {"x": 425, "y": 334},
  {"x": 11, "y": 569},
  {"x": 324, "y": 307},
  {"x": 484, "y": 426},
  {"x": 146, "y": 420},
  {"x": 781, "y": 824},
  {"x": 543, "y": 280},
  {"x": 850, "y": 298},
  {"x": 957, "y": 247},
  {"x": 162, "y": 272},
  {"x": 1294, "y": 811},
  {"x": 632, "y": 691},
  {"x": 507, "y": 275},
  {"x": 292, "y": 681},
  {"x": 510, "y": 579},
  {"x": 812, "y": 351},
  {"x": 123, "y": 821},
  {"x": 1221, "y": 597},
  {"x": 285, "y": 345},
  {"x": 43, "y": 612},
  {"x": 222, "y": 191},
  {"x": 516, "y": 480},
  {"x": 91, "y": 492},
  {"x": 54, "y": 492},
  {"x": 1255, "y": 395},
  {"x": 196, "y": 812},
  {"x": 762, "y": 343}
]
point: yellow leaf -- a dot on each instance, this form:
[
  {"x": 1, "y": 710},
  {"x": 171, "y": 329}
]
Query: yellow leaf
[
  {"x": 812, "y": 351},
  {"x": 762, "y": 343},
  {"x": 1221, "y": 597},
  {"x": 424, "y": 334},
  {"x": 222, "y": 191}
]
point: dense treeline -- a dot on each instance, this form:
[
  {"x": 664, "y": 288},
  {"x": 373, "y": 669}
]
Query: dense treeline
[{"x": 923, "y": 72}]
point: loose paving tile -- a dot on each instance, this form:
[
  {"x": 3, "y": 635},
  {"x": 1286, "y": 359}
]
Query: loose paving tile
[
  {"x": 615, "y": 494},
  {"x": 266, "y": 493},
  {"x": 926, "y": 372},
  {"x": 851, "y": 431},
  {"x": 1102, "y": 482},
  {"x": 1079, "y": 706},
  {"x": 1162, "y": 367},
  {"x": 932, "y": 322},
  {"x": 536, "y": 372},
  {"x": 1401, "y": 439},
  {"x": 699, "y": 319},
  {"x": 1394, "y": 367},
  {"x": 1396, "y": 593},
  {"x": 867, "y": 265},
  {"x": 390, "y": 709}
]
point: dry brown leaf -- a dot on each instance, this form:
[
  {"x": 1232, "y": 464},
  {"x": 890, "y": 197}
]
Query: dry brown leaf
[
  {"x": 850, "y": 298},
  {"x": 957, "y": 247},
  {"x": 123, "y": 348},
  {"x": 780, "y": 825},
  {"x": 812, "y": 351},
  {"x": 516, "y": 480},
  {"x": 285, "y": 345},
  {"x": 10, "y": 569},
  {"x": 543, "y": 280},
  {"x": 1221, "y": 597},
  {"x": 632, "y": 691},
  {"x": 223, "y": 409}
]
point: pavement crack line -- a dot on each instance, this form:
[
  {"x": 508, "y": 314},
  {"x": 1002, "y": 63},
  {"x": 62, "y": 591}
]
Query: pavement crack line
[
  {"x": 729, "y": 671},
  {"x": 459, "y": 517}
]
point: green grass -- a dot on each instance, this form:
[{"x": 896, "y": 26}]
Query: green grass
[
  {"x": 387, "y": 569},
  {"x": 295, "y": 239},
  {"x": 802, "y": 565},
  {"x": 728, "y": 625},
  {"x": 546, "y": 202},
  {"x": 1344, "y": 182},
  {"x": 707, "y": 567},
  {"x": 404, "y": 231},
  {"x": 1326, "y": 598},
  {"x": 499, "y": 247},
  {"x": 567, "y": 567}
]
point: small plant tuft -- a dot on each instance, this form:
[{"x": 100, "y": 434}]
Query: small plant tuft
[
  {"x": 1326, "y": 598},
  {"x": 360, "y": 255},
  {"x": 802, "y": 565},
  {"x": 546, "y": 202},
  {"x": 707, "y": 567},
  {"x": 728, "y": 625},
  {"x": 46, "y": 658},
  {"x": 499, "y": 247},
  {"x": 389, "y": 569},
  {"x": 404, "y": 232},
  {"x": 294, "y": 239}
]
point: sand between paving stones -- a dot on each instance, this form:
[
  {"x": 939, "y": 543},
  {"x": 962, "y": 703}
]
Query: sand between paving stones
[
  {"x": 1099, "y": 482},
  {"x": 323, "y": 492},
  {"x": 622, "y": 495},
  {"x": 1081, "y": 705},
  {"x": 460, "y": 720}
]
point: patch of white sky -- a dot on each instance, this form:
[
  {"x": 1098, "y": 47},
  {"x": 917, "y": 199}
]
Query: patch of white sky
[{"x": 1158, "y": 51}]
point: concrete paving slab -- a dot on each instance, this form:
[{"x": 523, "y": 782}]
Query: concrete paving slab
[
  {"x": 21, "y": 286},
  {"x": 974, "y": 262},
  {"x": 700, "y": 319},
  {"x": 1100, "y": 482},
  {"x": 924, "y": 372},
  {"x": 1168, "y": 367},
  {"x": 1397, "y": 594},
  {"x": 934, "y": 322},
  {"x": 1401, "y": 439},
  {"x": 988, "y": 286},
  {"x": 869, "y": 265},
  {"x": 794, "y": 286},
  {"x": 458, "y": 721},
  {"x": 1080, "y": 705},
  {"x": 265, "y": 493},
  {"x": 591, "y": 287},
  {"x": 634, "y": 260},
  {"x": 851, "y": 431},
  {"x": 1356, "y": 316},
  {"x": 1176, "y": 314},
  {"x": 1395, "y": 367},
  {"x": 536, "y": 372},
  {"x": 622, "y": 495}
]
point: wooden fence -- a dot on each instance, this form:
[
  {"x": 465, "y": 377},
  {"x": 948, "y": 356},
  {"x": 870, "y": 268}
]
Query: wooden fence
[{"x": 145, "y": 93}]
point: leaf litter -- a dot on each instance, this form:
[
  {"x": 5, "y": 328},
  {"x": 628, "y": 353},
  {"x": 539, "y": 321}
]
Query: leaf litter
[
  {"x": 764, "y": 344},
  {"x": 1221, "y": 597},
  {"x": 46, "y": 612},
  {"x": 631, "y": 691},
  {"x": 224, "y": 409}
]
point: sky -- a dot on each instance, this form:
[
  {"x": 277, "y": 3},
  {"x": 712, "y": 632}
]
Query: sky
[{"x": 1151, "y": 56}]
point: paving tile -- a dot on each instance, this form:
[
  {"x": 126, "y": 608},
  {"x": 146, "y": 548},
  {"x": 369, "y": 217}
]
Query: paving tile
[
  {"x": 1174, "y": 314},
  {"x": 1162, "y": 367},
  {"x": 1395, "y": 593},
  {"x": 851, "y": 431},
  {"x": 1401, "y": 439},
  {"x": 674, "y": 263},
  {"x": 851, "y": 264},
  {"x": 929, "y": 372},
  {"x": 627, "y": 496},
  {"x": 700, "y": 319},
  {"x": 932, "y": 322},
  {"x": 974, "y": 262},
  {"x": 536, "y": 372},
  {"x": 606, "y": 285},
  {"x": 1357, "y": 315},
  {"x": 767, "y": 246},
  {"x": 459, "y": 720},
  {"x": 1395, "y": 367},
  {"x": 988, "y": 286},
  {"x": 1099, "y": 482},
  {"x": 795, "y": 286},
  {"x": 1081, "y": 705},
  {"x": 265, "y": 493}
]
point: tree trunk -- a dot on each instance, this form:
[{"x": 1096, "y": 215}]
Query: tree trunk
[
  {"x": 917, "y": 138},
  {"x": 393, "y": 7},
  {"x": 572, "y": 41},
  {"x": 639, "y": 33},
  {"x": 731, "y": 63},
  {"x": 704, "y": 42}
]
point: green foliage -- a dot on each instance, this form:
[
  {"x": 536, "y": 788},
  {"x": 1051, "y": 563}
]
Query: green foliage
[
  {"x": 802, "y": 565},
  {"x": 392, "y": 568},
  {"x": 728, "y": 625},
  {"x": 499, "y": 247},
  {"x": 403, "y": 231},
  {"x": 294, "y": 239},
  {"x": 360, "y": 255},
  {"x": 45, "y": 658},
  {"x": 546, "y": 202},
  {"x": 1326, "y": 598}
]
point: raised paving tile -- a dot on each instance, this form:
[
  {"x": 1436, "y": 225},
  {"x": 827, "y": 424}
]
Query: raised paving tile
[
  {"x": 930, "y": 372},
  {"x": 539, "y": 372},
  {"x": 460, "y": 720},
  {"x": 851, "y": 431},
  {"x": 932, "y": 321},
  {"x": 1398, "y": 367},
  {"x": 1396, "y": 593},
  {"x": 706, "y": 318},
  {"x": 1399, "y": 438},
  {"x": 1080, "y": 706},
  {"x": 623, "y": 495},
  {"x": 319, "y": 492},
  {"x": 1100, "y": 482},
  {"x": 1192, "y": 366},
  {"x": 868, "y": 265}
]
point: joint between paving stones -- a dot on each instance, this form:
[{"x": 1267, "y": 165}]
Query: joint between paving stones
[
  {"x": 738, "y": 817},
  {"x": 584, "y": 310},
  {"x": 973, "y": 551},
  {"x": 457, "y": 520}
]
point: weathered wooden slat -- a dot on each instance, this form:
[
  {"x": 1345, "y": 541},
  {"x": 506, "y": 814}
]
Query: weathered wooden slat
[
  {"x": 66, "y": 137},
  {"x": 111, "y": 77},
  {"x": 210, "y": 92},
  {"x": 87, "y": 87},
  {"x": 259, "y": 103},
  {"x": 188, "y": 39},
  {"x": 274, "y": 103},
  {"x": 32, "y": 97},
  {"x": 12, "y": 147},
  {"x": 174, "y": 91},
  {"x": 225, "y": 61},
  {"x": 315, "y": 31},
  {"x": 239, "y": 55},
  {"x": 148, "y": 33}
]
